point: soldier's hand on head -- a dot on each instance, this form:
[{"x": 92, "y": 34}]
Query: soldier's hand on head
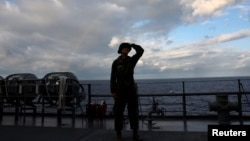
[{"x": 134, "y": 45}]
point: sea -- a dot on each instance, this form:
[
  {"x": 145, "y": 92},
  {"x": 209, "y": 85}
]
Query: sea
[{"x": 164, "y": 95}]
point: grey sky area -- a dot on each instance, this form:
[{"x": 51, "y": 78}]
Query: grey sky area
[{"x": 82, "y": 36}]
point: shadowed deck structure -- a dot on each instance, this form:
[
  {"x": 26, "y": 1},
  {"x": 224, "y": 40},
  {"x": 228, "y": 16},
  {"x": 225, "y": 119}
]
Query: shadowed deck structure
[
  {"x": 31, "y": 128},
  {"x": 31, "y": 133}
]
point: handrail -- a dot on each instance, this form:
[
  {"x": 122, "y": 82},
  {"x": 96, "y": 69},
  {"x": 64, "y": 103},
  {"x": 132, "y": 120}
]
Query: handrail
[
  {"x": 183, "y": 94},
  {"x": 176, "y": 94}
]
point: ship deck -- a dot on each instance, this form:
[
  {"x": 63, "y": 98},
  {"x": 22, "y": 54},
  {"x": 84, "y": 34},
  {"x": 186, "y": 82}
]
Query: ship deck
[{"x": 82, "y": 129}]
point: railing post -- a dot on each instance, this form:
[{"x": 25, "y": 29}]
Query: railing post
[
  {"x": 184, "y": 100},
  {"x": 184, "y": 106},
  {"x": 239, "y": 100},
  {"x": 1, "y": 103},
  {"x": 89, "y": 93},
  {"x": 17, "y": 104}
]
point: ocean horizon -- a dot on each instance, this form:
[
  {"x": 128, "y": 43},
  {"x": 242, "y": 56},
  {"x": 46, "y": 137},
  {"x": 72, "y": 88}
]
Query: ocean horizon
[
  {"x": 196, "y": 105},
  {"x": 182, "y": 78}
]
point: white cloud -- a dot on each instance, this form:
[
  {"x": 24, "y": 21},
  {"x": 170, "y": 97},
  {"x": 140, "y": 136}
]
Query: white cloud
[
  {"x": 211, "y": 7},
  {"x": 11, "y": 7},
  {"x": 58, "y": 3},
  {"x": 116, "y": 41},
  {"x": 205, "y": 8}
]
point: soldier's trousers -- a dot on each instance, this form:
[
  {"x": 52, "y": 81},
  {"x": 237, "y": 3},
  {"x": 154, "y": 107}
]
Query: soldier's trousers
[{"x": 127, "y": 98}]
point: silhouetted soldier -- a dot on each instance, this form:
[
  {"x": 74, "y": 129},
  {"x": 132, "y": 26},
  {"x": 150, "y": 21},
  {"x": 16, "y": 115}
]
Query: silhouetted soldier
[{"x": 123, "y": 89}]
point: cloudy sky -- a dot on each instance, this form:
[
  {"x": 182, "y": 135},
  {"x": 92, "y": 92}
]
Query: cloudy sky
[{"x": 181, "y": 38}]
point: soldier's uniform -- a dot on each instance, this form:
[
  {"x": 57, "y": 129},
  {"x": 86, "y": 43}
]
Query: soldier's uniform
[{"x": 122, "y": 83}]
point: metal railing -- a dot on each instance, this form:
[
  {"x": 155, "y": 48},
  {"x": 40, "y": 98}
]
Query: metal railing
[
  {"x": 180, "y": 106},
  {"x": 183, "y": 107}
]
